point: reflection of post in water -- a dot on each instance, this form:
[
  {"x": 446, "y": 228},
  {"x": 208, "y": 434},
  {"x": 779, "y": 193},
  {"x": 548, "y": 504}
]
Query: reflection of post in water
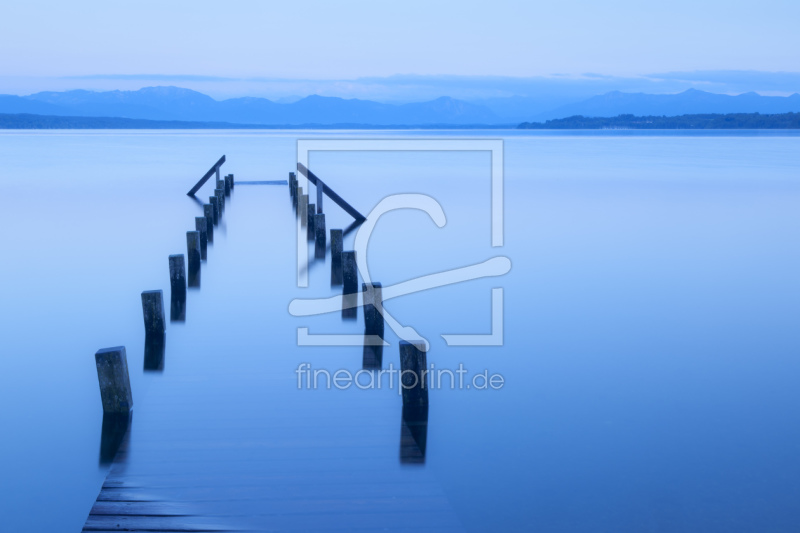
[
  {"x": 114, "y": 435},
  {"x": 413, "y": 435},
  {"x": 350, "y": 306},
  {"x": 154, "y": 348},
  {"x": 177, "y": 308},
  {"x": 373, "y": 355}
]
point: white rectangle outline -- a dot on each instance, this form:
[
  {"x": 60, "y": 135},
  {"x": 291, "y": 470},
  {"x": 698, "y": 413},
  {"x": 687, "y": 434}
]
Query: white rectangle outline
[{"x": 494, "y": 146}]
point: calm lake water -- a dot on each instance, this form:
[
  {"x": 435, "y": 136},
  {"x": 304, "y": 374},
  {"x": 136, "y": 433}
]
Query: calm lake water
[{"x": 651, "y": 342}]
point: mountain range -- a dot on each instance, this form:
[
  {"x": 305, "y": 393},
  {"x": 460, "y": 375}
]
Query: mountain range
[
  {"x": 174, "y": 103},
  {"x": 177, "y": 104}
]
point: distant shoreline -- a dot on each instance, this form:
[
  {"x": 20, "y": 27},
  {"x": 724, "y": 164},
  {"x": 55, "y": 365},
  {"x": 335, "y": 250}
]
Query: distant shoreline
[
  {"x": 711, "y": 121},
  {"x": 733, "y": 121}
]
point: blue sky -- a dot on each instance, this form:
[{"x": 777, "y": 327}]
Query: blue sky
[{"x": 345, "y": 40}]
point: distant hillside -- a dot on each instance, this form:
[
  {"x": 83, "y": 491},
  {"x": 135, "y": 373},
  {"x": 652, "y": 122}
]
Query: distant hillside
[
  {"x": 688, "y": 102},
  {"x": 174, "y": 103},
  {"x": 752, "y": 121},
  {"x": 32, "y": 121}
]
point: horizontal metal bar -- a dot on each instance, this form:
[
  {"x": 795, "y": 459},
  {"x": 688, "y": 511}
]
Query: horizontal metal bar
[
  {"x": 213, "y": 170},
  {"x": 268, "y": 182}
]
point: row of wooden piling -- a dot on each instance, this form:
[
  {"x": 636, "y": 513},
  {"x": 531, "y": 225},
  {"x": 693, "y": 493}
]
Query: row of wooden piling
[
  {"x": 344, "y": 271},
  {"x": 184, "y": 271}
]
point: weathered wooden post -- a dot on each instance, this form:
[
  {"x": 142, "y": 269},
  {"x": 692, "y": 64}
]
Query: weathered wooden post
[
  {"x": 302, "y": 210},
  {"x": 320, "y": 188},
  {"x": 373, "y": 308},
  {"x": 310, "y": 233},
  {"x": 349, "y": 273},
  {"x": 208, "y": 212},
  {"x": 202, "y": 229},
  {"x": 291, "y": 184},
  {"x": 214, "y": 208},
  {"x": 153, "y": 311},
  {"x": 177, "y": 275},
  {"x": 155, "y": 329},
  {"x": 232, "y": 182},
  {"x": 177, "y": 282},
  {"x": 349, "y": 286},
  {"x": 298, "y": 192},
  {"x": 227, "y": 185},
  {"x": 220, "y": 194},
  {"x": 115, "y": 385},
  {"x": 414, "y": 374},
  {"x": 319, "y": 236},
  {"x": 220, "y": 184},
  {"x": 193, "y": 257},
  {"x": 337, "y": 238}
]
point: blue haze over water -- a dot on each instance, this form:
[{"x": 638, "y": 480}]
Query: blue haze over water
[{"x": 651, "y": 340}]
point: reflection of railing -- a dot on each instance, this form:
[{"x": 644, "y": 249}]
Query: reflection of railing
[{"x": 211, "y": 171}]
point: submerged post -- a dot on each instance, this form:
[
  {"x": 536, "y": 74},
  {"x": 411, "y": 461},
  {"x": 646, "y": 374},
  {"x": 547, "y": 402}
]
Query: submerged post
[
  {"x": 214, "y": 201},
  {"x": 336, "y": 256},
  {"x": 320, "y": 187},
  {"x": 115, "y": 385},
  {"x": 310, "y": 226},
  {"x": 228, "y": 185},
  {"x": 208, "y": 211},
  {"x": 319, "y": 236},
  {"x": 373, "y": 308},
  {"x": 153, "y": 311},
  {"x": 414, "y": 374},
  {"x": 193, "y": 256},
  {"x": 202, "y": 228},
  {"x": 298, "y": 192},
  {"x": 231, "y": 175}
]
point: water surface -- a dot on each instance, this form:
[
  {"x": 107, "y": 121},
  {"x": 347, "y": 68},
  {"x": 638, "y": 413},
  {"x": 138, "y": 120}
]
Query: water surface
[{"x": 650, "y": 332}]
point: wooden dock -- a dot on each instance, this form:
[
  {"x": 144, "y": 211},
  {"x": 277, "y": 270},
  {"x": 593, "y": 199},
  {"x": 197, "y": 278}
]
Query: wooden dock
[{"x": 223, "y": 440}]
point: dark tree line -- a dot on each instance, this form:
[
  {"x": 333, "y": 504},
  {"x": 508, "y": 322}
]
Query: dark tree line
[{"x": 748, "y": 121}]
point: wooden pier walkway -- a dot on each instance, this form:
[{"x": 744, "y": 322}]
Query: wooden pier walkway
[{"x": 223, "y": 440}]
